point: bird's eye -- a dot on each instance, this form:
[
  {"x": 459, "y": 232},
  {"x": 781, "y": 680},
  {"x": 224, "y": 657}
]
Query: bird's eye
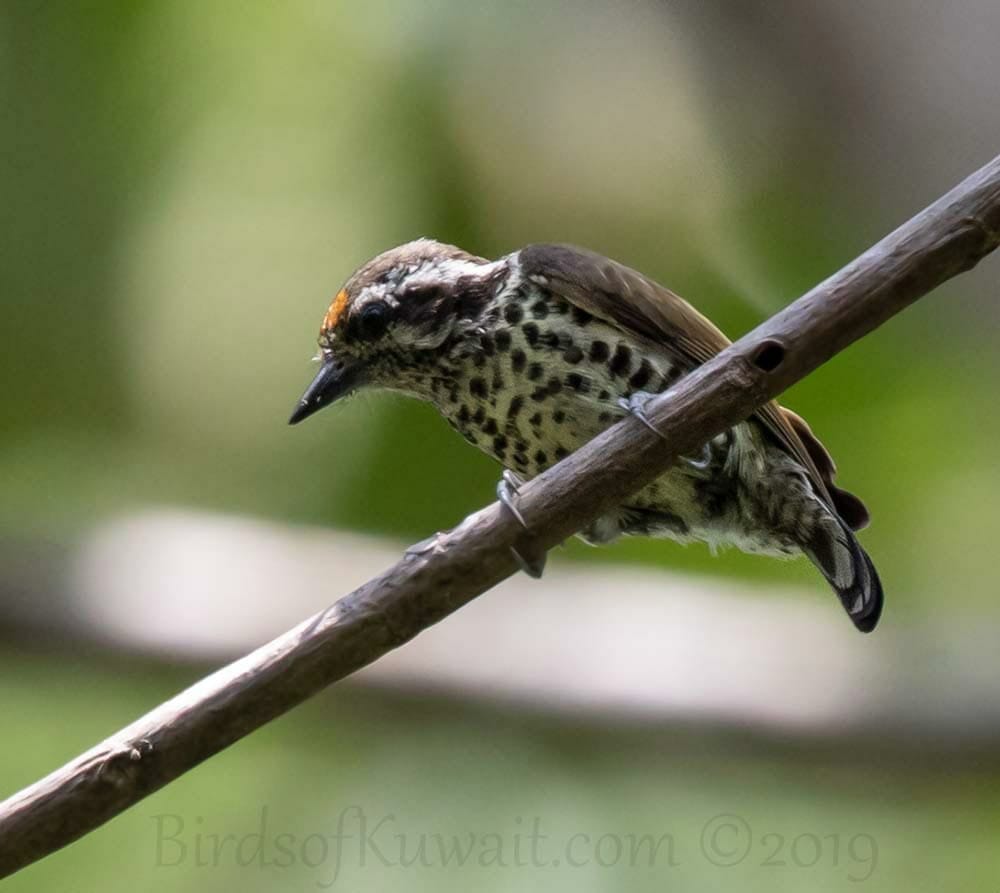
[{"x": 373, "y": 321}]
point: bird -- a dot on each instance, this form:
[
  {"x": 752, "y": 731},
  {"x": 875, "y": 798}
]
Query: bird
[{"x": 530, "y": 356}]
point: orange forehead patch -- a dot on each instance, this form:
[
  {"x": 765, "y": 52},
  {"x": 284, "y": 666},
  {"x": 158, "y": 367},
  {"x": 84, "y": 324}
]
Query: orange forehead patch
[{"x": 336, "y": 310}]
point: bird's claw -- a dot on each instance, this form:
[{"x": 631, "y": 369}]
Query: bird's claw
[
  {"x": 533, "y": 567},
  {"x": 636, "y": 405},
  {"x": 507, "y": 492},
  {"x": 703, "y": 461}
]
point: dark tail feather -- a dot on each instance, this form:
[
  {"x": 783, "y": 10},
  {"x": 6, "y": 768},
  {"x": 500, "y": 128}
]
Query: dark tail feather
[{"x": 837, "y": 553}]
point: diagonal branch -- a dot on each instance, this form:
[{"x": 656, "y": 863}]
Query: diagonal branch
[{"x": 947, "y": 238}]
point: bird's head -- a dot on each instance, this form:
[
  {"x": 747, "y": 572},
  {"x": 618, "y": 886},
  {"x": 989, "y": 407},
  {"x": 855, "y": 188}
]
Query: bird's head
[{"x": 394, "y": 315}]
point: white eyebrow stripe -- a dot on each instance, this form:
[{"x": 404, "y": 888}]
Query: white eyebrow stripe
[{"x": 453, "y": 268}]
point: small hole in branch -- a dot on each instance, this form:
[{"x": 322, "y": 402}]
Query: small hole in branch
[{"x": 769, "y": 356}]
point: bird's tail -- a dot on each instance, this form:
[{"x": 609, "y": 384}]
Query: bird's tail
[{"x": 835, "y": 550}]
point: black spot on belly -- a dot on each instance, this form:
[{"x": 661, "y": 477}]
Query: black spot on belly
[
  {"x": 536, "y": 420},
  {"x": 487, "y": 344},
  {"x": 513, "y": 313},
  {"x": 559, "y": 417},
  {"x": 641, "y": 376},
  {"x": 539, "y": 395},
  {"x": 578, "y": 383},
  {"x": 502, "y": 340},
  {"x": 541, "y": 458},
  {"x": 573, "y": 354},
  {"x": 581, "y": 317},
  {"x": 499, "y": 444},
  {"x": 520, "y": 460},
  {"x": 480, "y": 416},
  {"x": 516, "y": 404},
  {"x": 518, "y": 359},
  {"x": 477, "y": 387},
  {"x": 535, "y": 371},
  {"x": 463, "y": 414},
  {"x": 549, "y": 339},
  {"x": 621, "y": 361},
  {"x": 599, "y": 351},
  {"x": 554, "y": 386},
  {"x": 671, "y": 375},
  {"x": 540, "y": 309},
  {"x": 530, "y": 333},
  {"x": 490, "y": 427},
  {"x": 561, "y": 453}
]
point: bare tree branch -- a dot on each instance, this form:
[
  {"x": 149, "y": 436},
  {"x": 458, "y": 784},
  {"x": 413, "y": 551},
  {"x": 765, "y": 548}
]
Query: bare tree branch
[{"x": 950, "y": 236}]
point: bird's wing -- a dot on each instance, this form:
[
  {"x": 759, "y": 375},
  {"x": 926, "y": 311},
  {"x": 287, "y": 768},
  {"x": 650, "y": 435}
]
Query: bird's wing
[{"x": 628, "y": 300}]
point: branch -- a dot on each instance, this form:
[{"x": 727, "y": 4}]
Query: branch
[{"x": 425, "y": 586}]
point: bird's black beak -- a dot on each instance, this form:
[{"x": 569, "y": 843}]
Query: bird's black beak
[{"x": 334, "y": 380}]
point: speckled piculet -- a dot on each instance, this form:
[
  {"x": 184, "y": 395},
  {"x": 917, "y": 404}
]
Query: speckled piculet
[{"x": 530, "y": 356}]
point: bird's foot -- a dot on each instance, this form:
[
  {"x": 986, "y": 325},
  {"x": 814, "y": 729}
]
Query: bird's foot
[
  {"x": 635, "y": 405},
  {"x": 703, "y": 461},
  {"x": 507, "y": 486}
]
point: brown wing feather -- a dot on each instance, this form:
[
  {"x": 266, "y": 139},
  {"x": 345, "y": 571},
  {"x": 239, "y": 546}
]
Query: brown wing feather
[
  {"x": 848, "y": 506},
  {"x": 627, "y": 299}
]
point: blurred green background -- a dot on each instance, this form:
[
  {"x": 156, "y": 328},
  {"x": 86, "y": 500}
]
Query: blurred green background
[{"x": 184, "y": 186}]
